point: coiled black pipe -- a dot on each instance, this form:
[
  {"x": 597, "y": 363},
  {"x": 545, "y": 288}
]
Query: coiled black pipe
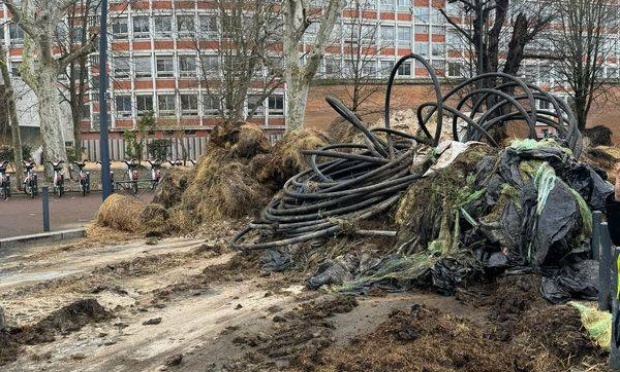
[{"x": 359, "y": 181}]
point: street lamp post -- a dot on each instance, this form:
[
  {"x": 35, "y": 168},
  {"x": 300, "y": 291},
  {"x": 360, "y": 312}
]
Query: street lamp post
[{"x": 103, "y": 101}]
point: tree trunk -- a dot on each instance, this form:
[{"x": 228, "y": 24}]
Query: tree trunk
[
  {"x": 15, "y": 133},
  {"x": 297, "y": 96},
  {"x": 49, "y": 113}
]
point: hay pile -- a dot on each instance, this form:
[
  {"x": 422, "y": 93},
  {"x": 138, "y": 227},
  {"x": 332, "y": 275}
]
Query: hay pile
[
  {"x": 236, "y": 178},
  {"x": 171, "y": 187},
  {"x": 121, "y": 212},
  {"x": 286, "y": 159},
  {"x": 222, "y": 186},
  {"x": 251, "y": 141},
  {"x": 603, "y": 157},
  {"x": 130, "y": 214}
]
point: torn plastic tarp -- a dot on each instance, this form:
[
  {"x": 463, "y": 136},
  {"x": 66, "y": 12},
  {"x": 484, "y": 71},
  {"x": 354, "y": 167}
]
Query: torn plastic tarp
[
  {"x": 274, "y": 260},
  {"x": 578, "y": 280},
  {"x": 398, "y": 273},
  {"x": 525, "y": 207}
]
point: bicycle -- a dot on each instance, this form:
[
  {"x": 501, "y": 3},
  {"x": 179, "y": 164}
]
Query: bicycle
[
  {"x": 112, "y": 188},
  {"x": 59, "y": 179},
  {"x": 131, "y": 178},
  {"x": 192, "y": 161},
  {"x": 30, "y": 181},
  {"x": 84, "y": 177},
  {"x": 5, "y": 181},
  {"x": 176, "y": 163},
  {"x": 155, "y": 173}
]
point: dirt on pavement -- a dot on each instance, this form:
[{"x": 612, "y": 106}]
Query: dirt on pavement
[{"x": 188, "y": 304}]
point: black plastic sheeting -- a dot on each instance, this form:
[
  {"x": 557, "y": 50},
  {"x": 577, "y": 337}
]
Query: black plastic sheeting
[{"x": 549, "y": 240}]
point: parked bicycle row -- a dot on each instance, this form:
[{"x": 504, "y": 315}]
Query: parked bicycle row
[{"x": 129, "y": 182}]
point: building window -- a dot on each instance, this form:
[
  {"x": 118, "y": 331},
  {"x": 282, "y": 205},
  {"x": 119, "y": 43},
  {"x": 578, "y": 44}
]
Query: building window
[
  {"x": 421, "y": 29},
  {"x": 332, "y": 67},
  {"x": 163, "y": 26},
  {"x": 123, "y": 106},
  {"x": 439, "y": 30},
  {"x": 385, "y": 68},
  {"x": 454, "y": 69},
  {"x": 141, "y": 27},
  {"x": 120, "y": 28},
  {"x": 276, "y": 105},
  {"x": 369, "y": 68},
  {"x": 208, "y": 24},
  {"x": 422, "y": 14},
  {"x": 165, "y": 67},
  {"x": 256, "y": 106},
  {"x": 189, "y": 104},
  {"x": 387, "y": 35},
  {"x": 142, "y": 66},
  {"x": 144, "y": 104},
  {"x": 16, "y": 33},
  {"x": 404, "y": 69},
  {"x": 167, "y": 104},
  {"x": 187, "y": 66},
  {"x": 436, "y": 17},
  {"x": 121, "y": 67},
  {"x": 404, "y": 36},
  {"x": 211, "y": 105},
  {"x": 421, "y": 49},
  {"x": 15, "y": 68},
  {"x": 386, "y": 4},
  {"x": 438, "y": 49},
  {"x": 209, "y": 64},
  {"x": 403, "y": 3},
  {"x": 185, "y": 26},
  {"x": 438, "y": 64}
]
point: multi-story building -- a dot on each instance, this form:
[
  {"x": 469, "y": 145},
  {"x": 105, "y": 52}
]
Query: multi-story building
[{"x": 160, "y": 50}]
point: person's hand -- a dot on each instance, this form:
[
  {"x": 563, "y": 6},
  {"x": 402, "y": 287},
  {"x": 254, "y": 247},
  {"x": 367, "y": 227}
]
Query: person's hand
[{"x": 617, "y": 188}]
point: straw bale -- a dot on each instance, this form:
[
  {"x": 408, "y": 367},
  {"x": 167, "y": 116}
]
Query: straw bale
[{"x": 121, "y": 212}]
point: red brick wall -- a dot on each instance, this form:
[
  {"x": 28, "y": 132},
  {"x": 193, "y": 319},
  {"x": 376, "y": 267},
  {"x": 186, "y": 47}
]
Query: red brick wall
[{"x": 319, "y": 114}]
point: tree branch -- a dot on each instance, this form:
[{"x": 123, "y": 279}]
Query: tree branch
[
  {"x": 457, "y": 27},
  {"x": 19, "y": 19},
  {"x": 83, "y": 50}
]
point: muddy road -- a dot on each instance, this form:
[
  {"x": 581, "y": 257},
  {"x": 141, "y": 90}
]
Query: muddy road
[{"x": 186, "y": 304}]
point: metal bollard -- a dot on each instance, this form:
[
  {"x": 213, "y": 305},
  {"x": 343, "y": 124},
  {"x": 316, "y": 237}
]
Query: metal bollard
[
  {"x": 595, "y": 243},
  {"x": 605, "y": 269},
  {"x": 614, "y": 353},
  {"x": 45, "y": 208}
]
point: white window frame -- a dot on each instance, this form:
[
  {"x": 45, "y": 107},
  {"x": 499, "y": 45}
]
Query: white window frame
[
  {"x": 164, "y": 73},
  {"x": 163, "y": 99}
]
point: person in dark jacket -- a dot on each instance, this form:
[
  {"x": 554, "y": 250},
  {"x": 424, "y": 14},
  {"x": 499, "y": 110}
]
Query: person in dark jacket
[{"x": 613, "y": 211}]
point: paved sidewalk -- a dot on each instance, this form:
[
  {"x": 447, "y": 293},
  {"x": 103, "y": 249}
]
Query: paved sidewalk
[{"x": 20, "y": 215}]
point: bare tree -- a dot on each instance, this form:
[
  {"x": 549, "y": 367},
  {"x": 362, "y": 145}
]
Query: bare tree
[
  {"x": 361, "y": 51},
  {"x": 299, "y": 72},
  {"x": 485, "y": 27},
  {"x": 72, "y": 33},
  {"x": 9, "y": 99},
  {"x": 41, "y": 65},
  {"x": 244, "y": 66},
  {"x": 582, "y": 42}
]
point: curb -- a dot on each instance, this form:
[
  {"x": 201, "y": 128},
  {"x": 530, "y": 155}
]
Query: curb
[{"x": 42, "y": 237}]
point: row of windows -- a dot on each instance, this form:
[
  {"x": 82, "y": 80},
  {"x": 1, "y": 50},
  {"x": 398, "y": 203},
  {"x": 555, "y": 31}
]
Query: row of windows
[
  {"x": 166, "y": 65},
  {"x": 170, "y": 104}
]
